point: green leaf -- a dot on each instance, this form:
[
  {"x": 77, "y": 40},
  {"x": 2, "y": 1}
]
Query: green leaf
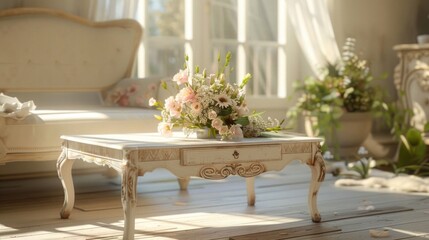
[
  {"x": 325, "y": 108},
  {"x": 225, "y": 111},
  {"x": 405, "y": 143},
  {"x": 420, "y": 151},
  {"x": 426, "y": 128},
  {"x": 227, "y": 58},
  {"x": 164, "y": 85},
  {"x": 245, "y": 80},
  {"x": 243, "y": 121},
  {"x": 158, "y": 117},
  {"x": 348, "y": 91}
]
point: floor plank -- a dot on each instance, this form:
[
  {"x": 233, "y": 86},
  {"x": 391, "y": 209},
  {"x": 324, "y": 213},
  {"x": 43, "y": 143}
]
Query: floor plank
[{"x": 216, "y": 210}]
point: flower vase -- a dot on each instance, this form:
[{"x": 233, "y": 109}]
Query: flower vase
[
  {"x": 204, "y": 133},
  {"x": 199, "y": 133}
]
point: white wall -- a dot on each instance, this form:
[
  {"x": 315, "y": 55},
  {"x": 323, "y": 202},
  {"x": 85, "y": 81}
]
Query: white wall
[
  {"x": 77, "y": 7},
  {"x": 377, "y": 25}
]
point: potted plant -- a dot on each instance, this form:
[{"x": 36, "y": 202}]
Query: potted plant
[{"x": 338, "y": 106}]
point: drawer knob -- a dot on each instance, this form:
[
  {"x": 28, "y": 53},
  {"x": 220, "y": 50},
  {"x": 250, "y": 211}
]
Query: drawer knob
[{"x": 236, "y": 155}]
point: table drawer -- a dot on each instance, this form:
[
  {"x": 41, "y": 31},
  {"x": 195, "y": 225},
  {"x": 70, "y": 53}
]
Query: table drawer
[{"x": 204, "y": 156}]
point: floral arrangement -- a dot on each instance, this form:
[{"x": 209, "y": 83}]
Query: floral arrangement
[{"x": 210, "y": 101}]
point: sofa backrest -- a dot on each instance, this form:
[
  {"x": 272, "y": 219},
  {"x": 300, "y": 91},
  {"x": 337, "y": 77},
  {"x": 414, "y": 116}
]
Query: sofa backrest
[{"x": 49, "y": 50}]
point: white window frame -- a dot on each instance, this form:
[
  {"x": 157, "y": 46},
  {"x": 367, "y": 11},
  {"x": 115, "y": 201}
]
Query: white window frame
[
  {"x": 268, "y": 101},
  {"x": 199, "y": 46}
]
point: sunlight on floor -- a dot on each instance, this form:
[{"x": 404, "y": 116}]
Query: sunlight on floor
[
  {"x": 203, "y": 220},
  {"x": 409, "y": 232}
]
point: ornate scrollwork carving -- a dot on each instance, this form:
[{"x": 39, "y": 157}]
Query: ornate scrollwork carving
[
  {"x": 129, "y": 181},
  {"x": 420, "y": 69},
  {"x": 412, "y": 61},
  {"x": 211, "y": 172},
  {"x": 61, "y": 159},
  {"x": 424, "y": 80},
  {"x": 296, "y": 148},
  {"x": 147, "y": 155},
  {"x": 3, "y": 150},
  {"x": 95, "y": 160},
  {"x": 317, "y": 161}
]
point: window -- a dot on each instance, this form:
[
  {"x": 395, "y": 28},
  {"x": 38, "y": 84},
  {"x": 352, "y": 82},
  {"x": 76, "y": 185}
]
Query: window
[{"x": 254, "y": 31}]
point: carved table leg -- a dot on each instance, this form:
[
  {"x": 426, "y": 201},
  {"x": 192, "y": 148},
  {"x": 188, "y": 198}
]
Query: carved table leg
[
  {"x": 128, "y": 196},
  {"x": 250, "y": 184},
  {"x": 183, "y": 183},
  {"x": 318, "y": 169},
  {"x": 64, "y": 167}
]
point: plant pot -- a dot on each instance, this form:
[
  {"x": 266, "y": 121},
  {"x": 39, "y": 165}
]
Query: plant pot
[
  {"x": 203, "y": 133},
  {"x": 422, "y": 39},
  {"x": 200, "y": 133},
  {"x": 354, "y": 128}
]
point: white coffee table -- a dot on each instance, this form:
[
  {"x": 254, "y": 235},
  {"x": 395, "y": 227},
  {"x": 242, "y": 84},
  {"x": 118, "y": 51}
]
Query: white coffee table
[{"x": 134, "y": 154}]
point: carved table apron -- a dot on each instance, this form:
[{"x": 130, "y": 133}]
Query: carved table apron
[{"x": 134, "y": 154}]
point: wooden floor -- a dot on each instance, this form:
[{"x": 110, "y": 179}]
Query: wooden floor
[{"x": 29, "y": 209}]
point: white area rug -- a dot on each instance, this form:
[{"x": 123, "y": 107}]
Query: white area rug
[{"x": 402, "y": 183}]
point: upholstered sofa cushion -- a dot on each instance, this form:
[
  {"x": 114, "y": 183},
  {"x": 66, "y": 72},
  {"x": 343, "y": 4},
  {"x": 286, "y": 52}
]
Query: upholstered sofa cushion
[{"x": 41, "y": 131}]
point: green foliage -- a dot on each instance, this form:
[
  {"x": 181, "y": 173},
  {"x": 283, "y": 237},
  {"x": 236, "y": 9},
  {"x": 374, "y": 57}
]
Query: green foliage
[
  {"x": 362, "y": 167},
  {"x": 412, "y": 152},
  {"x": 395, "y": 117},
  {"x": 411, "y": 156},
  {"x": 345, "y": 87},
  {"x": 245, "y": 80}
]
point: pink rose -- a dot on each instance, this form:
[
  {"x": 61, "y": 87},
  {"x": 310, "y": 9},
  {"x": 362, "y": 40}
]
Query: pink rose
[
  {"x": 212, "y": 115},
  {"x": 173, "y": 107},
  {"x": 236, "y": 132},
  {"x": 186, "y": 95},
  {"x": 170, "y": 103},
  {"x": 196, "y": 107},
  {"x": 223, "y": 130},
  {"x": 217, "y": 123},
  {"x": 165, "y": 129},
  {"x": 181, "y": 77}
]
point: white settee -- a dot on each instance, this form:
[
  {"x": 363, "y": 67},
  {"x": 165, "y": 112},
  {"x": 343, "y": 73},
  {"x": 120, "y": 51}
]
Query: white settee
[{"x": 76, "y": 73}]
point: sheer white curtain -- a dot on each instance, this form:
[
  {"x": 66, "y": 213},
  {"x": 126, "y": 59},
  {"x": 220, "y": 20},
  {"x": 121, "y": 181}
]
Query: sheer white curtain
[
  {"x": 102, "y": 10},
  {"x": 251, "y": 25},
  {"x": 314, "y": 32},
  {"x": 261, "y": 19}
]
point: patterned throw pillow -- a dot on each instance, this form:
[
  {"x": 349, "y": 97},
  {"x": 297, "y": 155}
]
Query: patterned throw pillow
[{"x": 132, "y": 92}]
